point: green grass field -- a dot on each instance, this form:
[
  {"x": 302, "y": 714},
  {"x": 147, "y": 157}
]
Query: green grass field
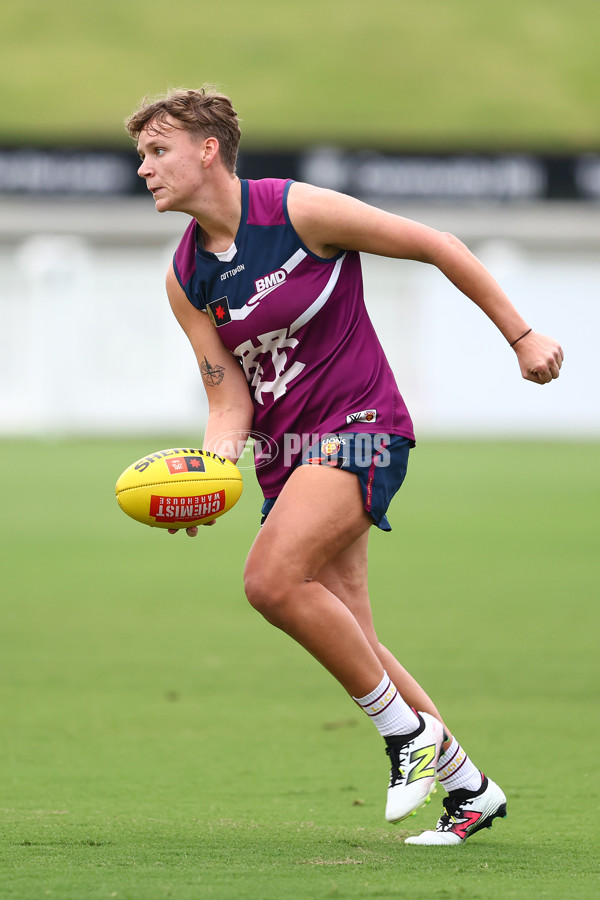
[
  {"x": 159, "y": 740},
  {"x": 431, "y": 74}
]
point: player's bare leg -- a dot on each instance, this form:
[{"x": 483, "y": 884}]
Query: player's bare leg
[
  {"x": 346, "y": 576},
  {"x": 465, "y": 811},
  {"x": 317, "y": 516}
]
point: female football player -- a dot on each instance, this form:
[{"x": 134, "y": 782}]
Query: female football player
[{"x": 266, "y": 283}]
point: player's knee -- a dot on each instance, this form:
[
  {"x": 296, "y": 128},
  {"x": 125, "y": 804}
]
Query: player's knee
[{"x": 266, "y": 590}]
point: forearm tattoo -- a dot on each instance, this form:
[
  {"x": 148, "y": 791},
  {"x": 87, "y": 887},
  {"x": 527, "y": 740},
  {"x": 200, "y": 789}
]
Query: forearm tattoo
[{"x": 211, "y": 375}]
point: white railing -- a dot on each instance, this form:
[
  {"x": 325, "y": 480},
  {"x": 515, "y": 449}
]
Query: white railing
[{"x": 88, "y": 343}]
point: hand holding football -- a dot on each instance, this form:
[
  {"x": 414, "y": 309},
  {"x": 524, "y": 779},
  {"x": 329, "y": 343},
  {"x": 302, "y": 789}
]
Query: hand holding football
[{"x": 178, "y": 488}]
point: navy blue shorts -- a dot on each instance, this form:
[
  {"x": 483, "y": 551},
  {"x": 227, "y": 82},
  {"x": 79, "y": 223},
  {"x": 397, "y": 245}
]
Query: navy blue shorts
[{"x": 379, "y": 460}]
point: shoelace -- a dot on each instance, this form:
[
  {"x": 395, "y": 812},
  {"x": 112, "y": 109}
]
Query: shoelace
[
  {"x": 453, "y": 807},
  {"x": 396, "y": 755}
]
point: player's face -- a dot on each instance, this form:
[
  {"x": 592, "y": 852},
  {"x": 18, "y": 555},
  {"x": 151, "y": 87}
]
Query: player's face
[{"x": 171, "y": 165}]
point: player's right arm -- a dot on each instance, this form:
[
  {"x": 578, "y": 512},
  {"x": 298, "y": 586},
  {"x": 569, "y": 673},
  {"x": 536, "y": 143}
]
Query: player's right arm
[{"x": 230, "y": 409}]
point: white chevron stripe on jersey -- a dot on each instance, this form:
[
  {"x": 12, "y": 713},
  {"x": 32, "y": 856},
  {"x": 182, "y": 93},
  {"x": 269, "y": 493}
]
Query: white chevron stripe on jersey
[
  {"x": 321, "y": 300},
  {"x": 252, "y": 302}
]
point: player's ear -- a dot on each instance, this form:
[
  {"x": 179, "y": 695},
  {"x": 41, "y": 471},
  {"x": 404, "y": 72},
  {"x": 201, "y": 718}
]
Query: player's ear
[{"x": 210, "y": 151}]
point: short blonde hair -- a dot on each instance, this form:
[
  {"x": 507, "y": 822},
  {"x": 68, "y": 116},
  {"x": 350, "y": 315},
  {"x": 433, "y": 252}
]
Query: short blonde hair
[{"x": 203, "y": 113}]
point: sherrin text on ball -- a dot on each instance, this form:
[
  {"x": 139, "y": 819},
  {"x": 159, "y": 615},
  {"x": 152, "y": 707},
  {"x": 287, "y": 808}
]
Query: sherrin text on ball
[{"x": 178, "y": 488}]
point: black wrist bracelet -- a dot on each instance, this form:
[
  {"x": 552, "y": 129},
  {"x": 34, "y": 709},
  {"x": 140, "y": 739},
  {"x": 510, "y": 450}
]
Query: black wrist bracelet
[{"x": 525, "y": 333}]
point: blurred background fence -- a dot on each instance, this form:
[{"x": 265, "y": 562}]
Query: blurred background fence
[
  {"x": 474, "y": 119},
  {"x": 88, "y": 342}
]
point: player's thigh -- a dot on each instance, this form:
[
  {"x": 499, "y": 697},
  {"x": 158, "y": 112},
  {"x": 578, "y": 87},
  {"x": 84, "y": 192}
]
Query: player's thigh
[{"x": 318, "y": 514}]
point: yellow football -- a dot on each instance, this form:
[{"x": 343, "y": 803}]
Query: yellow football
[{"x": 178, "y": 488}]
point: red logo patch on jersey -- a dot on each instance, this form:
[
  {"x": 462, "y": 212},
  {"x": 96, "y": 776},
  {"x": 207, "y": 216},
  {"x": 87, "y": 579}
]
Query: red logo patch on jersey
[{"x": 218, "y": 310}]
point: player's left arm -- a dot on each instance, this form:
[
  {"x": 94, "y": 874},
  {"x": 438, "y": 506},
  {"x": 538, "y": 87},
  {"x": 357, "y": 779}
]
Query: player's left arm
[{"x": 328, "y": 221}]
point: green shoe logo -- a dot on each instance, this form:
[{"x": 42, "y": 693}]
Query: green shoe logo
[{"x": 423, "y": 757}]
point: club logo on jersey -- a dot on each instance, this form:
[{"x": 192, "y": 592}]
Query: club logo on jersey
[
  {"x": 218, "y": 311},
  {"x": 185, "y": 464},
  {"x": 274, "y": 345},
  {"x": 331, "y": 445},
  {"x": 367, "y": 415}
]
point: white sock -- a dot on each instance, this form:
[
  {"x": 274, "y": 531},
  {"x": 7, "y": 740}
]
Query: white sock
[
  {"x": 387, "y": 710},
  {"x": 456, "y": 771}
]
